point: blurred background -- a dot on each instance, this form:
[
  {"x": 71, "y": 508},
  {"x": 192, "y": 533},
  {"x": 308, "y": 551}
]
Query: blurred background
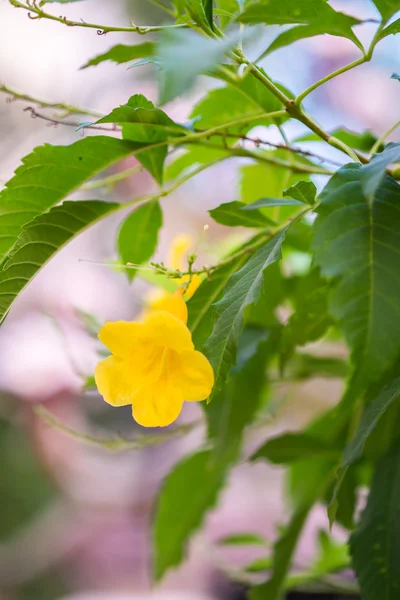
[{"x": 75, "y": 519}]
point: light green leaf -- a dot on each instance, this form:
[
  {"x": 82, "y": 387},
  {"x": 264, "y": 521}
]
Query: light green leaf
[
  {"x": 193, "y": 157},
  {"x": 374, "y": 545},
  {"x": 304, "y": 191},
  {"x": 122, "y": 54},
  {"x": 183, "y": 55},
  {"x": 189, "y": 491},
  {"x": 138, "y": 236},
  {"x": 391, "y": 29},
  {"x": 387, "y": 8},
  {"x": 270, "y": 202},
  {"x": 233, "y": 215},
  {"x": 201, "y": 306},
  {"x": 243, "y": 290},
  {"x": 243, "y": 539},
  {"x": 374, "y": 172},
  {"x": 361, "y": 141},
  {"x": 41, "y": 239},
  {"x": 299, "y": 32},
  {"x": 142, "y": 122},
  {"x": 201, "y": 11},
  {"x": 290, "y": 447},
  {"x": 48, "y": 175},
  {"x": 357, "y": 244}
]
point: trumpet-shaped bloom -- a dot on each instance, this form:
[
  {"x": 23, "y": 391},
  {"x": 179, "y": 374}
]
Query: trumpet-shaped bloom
[
  {"x": 153, "y": 365},
  {"x": 180, "y": 246}
]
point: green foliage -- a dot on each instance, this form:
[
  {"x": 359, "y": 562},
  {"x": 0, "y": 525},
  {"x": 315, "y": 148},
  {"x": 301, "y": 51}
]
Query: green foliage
[
  {"x": 122, "y": 54},
  {"x": 361, "y": 141},
  {"x": 40, "y": 239},
  {"x": 233, "y": 215},
  {"x": 374, "y": 544},
  {"x": 290, "y": 447},
  {"x": 373, "y": 174},
  {"x": 387, "y": 8},
  {"x": 138, "y": 236},
  {"x": 304, "y": 191}
]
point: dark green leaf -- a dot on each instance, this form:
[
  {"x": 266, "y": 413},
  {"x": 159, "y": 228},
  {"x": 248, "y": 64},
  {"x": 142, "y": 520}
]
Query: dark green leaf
[
  {"x": 232, "y": 215},
  {"x": 241, "y": 539},
  {"x": 183, "y": 55},
  {"x": 189, "y": 491},
  {"x": 373, "y": 174},
  {"x": 374, "y": 545},
  {"x": 357, "y": 243},
  {"x": 304, "y": 191},
  {"x": 201, "y": 310},
  {"x": 361, "y": 141},
  {"x": 387, "y": 8},
  {"x": 294, "y": 446},
  {"x": 201, "y": 11},
  {"x": 243, "y": 290},
  {"x": 48, "y": 175},
  {"x": 123, "y": 54},
  {"x": 270, "y": 202},
  {"x": 263, "y": 312},
  {"x": 138, "y": 236},
  {"x": 40, "y": 239},
  {"x": 307, "y": 12},
  {"x": 283, "y": 552}
]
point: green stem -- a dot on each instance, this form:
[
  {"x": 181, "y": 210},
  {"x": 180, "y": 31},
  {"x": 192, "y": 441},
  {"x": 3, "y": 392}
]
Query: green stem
[
  {"x": 383, "y": 137},
  {"x": 68, "y": 109},
  {"x": 115, "y": 443},
  {"x": 299, "y": 99},
  {"x": 33, "y": 8}
]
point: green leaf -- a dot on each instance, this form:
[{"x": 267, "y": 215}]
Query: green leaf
[
  {"x": 138, "y": 236},
  {"x": 201, "y": 11},
  {"x": 374, "y": 172},
  {"x": 306, "y": 12},
  {"x": 227, "y": 415},
  {"x": 283, "y": 552},
  {"x": 304, "y": 191},
  {"x": 201, "y": 306},
  {"x": 243, "y": 539},
  {"x": 189, "y": 491},
  {"x": 295, "y": 34},
  {"x": 193, "y": 157},
  {"x": 43, "y": 2},
  {"x": 243, "y": 290},
  {"x": 183, "y": 55},
  {"x": 142, "y": 122},
  {"x": 361, "y": 141},
  {"x": 41, "y": 238},
  {"x": 48, "y": 175},
  {"x": 391, "y": 29},
  {"x": 232, "y": 215},
  {"x": 122, "y": 54},
  {"x": 387, "y": 8},
  {"x": 374, "y": 545},
  {"x": 356, "y": 242},
  {"x": 270, "y": 202},
  {"x": 290, "y": 447}
]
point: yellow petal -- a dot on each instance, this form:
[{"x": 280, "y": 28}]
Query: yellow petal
[
  {"x": 121, "y": 337},
  {"x": 113, "y": 381},
  {"x": 193, "y": 285},
  {"x": 180, "y": 246},
  {"x": 157, "y": 406},
  {"x": 172, "y": 303},
  {"x": 195, "y": 376},
  {"x": 163, "y": 329}
]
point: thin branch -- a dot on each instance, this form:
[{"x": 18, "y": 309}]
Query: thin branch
[
  {"x": 68, "y": 109},
  {"x": 117, "y": 443},
  {"x": 55, "y": 122},
  {"x": 379, "y": 142},
  {"x": 33, "y": 9}
]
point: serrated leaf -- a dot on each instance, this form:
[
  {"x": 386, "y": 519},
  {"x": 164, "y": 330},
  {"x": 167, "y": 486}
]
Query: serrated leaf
[
  {"x": 391, "y": 29},
  {"x": 142, "y": 123},
  {"x": 304, "y": 191},
  {"x": 243, "y": 290},
  {"x": 295, "y": 34},
  {"x": 356, "y": 242},
  {"x": 306, "y": 12},
  {"x": 232, "y": 215},
  {"x": 387, "y": 8},
  {"x": 189, "y": 491},
  {"x": 48, "y": 175},
  {"x": 200, "y": 306},
  {"x": 138, "y": 235},
  {"x": 122, "y": 54},
  {"x": 183, "y": 55},
  {"x": 270, "y": 202},
  {"x": 290, "y": 447},
  {"x": 374, "y": 172},
  {"x": 374, "y": 545},
  {"x": 361, "y": 141},
  {"x": 40, "y": 239}
]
